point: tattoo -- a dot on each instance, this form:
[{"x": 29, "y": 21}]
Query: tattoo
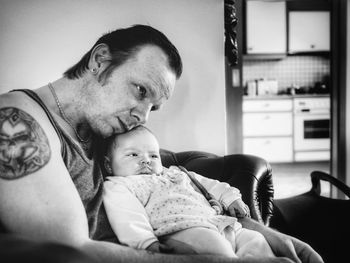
[{"x": 24, "y": 147}]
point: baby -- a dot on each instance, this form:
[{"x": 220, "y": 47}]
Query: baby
[{"x": 149, "y": 205}]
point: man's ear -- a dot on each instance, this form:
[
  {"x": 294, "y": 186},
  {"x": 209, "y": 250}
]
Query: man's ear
[
  {"x": 99, "y": 59},
  {"x": 107, "y": 165}
]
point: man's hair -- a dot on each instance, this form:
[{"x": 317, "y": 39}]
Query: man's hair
[{"x": 123, "y": 44}]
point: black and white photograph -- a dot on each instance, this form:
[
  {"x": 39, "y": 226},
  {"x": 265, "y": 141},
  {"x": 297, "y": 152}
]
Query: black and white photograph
[{"x": 174, "y": 131}]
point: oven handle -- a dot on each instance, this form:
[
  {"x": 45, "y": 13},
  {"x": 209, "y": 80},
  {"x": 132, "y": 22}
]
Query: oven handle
[{"x": 310, "y": 113}]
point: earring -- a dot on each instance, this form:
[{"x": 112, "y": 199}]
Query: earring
[{"x": 94, "y": 71}]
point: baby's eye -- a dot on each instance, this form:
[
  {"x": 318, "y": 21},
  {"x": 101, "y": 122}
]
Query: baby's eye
[
  {"x": 132, "y": 154},
  {"x": 155, "y": 156}
]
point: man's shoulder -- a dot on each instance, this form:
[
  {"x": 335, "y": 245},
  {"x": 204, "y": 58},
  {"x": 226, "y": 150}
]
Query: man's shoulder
[
  {"x": 21, "y": 102},
  {"x": 19, "y": 112},
  {"x": 8, "y": 98},
  {"x": 17, "y": 100},
  {"x": 25, "y": 144}
]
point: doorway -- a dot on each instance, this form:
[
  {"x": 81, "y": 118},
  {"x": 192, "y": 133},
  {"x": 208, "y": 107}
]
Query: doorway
[{"x": 337, "y": 68}]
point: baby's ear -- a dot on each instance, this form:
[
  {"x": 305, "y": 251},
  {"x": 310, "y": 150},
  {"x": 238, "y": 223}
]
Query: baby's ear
[{"x": 107, "y": 165}]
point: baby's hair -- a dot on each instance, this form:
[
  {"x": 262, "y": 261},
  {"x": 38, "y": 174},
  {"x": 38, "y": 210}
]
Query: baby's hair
[{"x": 113, "y": 140}]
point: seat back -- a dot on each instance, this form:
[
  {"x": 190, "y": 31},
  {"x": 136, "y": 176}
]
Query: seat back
[{"x": 250, "y": 174}]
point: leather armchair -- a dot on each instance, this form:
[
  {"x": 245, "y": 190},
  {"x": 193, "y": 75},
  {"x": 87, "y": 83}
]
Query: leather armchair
[{"x": 250, "y": 174}]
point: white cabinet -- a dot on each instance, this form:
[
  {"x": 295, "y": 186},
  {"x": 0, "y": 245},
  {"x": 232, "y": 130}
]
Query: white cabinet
[
  {"x": 267, "y": 105},
  {"x": 268, "y": 129},
  {"x": 266, "y": 27},
  {"x": 268, "y": 124},
  {"x": 309, "y": 31},
  {"x": 272, "y": 149}
]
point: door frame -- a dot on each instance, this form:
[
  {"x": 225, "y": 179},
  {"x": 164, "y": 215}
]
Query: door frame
[{"x": 338, "y": 91}]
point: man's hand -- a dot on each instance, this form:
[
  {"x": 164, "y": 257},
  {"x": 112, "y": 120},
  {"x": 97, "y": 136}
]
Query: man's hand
[
  {"x": 295, "y": 249},
  {"x": 239, "y": 209},
  {"x": 305, "y": 252},
  {"x": 284, "y": 245}
]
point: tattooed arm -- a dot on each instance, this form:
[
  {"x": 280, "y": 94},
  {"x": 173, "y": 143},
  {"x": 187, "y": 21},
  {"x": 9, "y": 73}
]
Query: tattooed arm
[{"x": 38, "y": 198}]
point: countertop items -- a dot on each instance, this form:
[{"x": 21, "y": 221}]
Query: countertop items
[
  {"x": 270, "y": 87},
  {"x": 284, "y": 96},
  {"x": 262, "y": 87}
]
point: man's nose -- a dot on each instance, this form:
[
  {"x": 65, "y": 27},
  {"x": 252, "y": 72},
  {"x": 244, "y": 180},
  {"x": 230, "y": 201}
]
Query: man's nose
[{"x": 141, "y": 113}]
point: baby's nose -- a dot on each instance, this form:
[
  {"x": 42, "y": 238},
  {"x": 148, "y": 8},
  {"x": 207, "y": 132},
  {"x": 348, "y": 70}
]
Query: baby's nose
[{"x": 145, "y": 161}]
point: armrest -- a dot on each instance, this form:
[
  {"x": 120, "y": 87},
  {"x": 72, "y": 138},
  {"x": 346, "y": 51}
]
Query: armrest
[
  {"x": 317, "y": 176},
  {"x": 250, "y": 174}
]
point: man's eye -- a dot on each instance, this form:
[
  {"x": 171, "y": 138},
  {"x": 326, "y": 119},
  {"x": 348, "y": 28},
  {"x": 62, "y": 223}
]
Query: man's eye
[{"x": 142, "y": 91}]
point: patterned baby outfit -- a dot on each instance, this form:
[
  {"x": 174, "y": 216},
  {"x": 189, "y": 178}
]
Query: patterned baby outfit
[{"x": 169, "y": 203}]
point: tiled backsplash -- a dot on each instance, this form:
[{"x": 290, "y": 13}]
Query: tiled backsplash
[{"x": 303, "y": 71}]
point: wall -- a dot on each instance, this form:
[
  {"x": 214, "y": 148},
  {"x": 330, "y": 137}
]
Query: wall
[
  {"x": 40, "y": 39},
  {"x": 298, "y": 70}
]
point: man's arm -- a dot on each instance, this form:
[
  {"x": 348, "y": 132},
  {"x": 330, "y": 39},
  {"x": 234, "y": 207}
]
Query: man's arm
[
  {"x": 105, "y": 252},
  {"x": 38, "y": 197},
  {"x": 284, "y": 245}
]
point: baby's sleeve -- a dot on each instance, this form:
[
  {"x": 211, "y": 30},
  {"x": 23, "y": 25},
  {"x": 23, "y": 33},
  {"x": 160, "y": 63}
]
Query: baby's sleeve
[
  {"x": 127, "y": 216},
  {"x": 223, "y": 192}
]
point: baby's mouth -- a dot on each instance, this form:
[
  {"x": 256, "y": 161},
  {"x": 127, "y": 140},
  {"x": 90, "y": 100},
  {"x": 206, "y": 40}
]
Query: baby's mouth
[{"x": 146, "y": 170}]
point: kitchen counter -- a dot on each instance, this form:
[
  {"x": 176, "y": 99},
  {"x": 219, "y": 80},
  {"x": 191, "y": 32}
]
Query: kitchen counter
[{"x": 285, "y": 96}]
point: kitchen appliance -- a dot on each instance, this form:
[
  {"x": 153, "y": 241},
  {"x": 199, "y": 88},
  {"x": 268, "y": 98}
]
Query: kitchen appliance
[
  {"x": 251, "y": 88},
  {"x": 267, "y": 87},
  {"x": 312, "y": 129}
]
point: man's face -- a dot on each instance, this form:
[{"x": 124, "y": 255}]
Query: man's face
[
  {"x": 136, "y": 152},
  {"x": 131, "y": 91}
]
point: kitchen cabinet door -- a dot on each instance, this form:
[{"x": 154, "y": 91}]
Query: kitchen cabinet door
[
  {"x": 268, "y": 124},
  {"x": 267, "y": 105},
  {"x": 266, "y": 27},
  {"x": 272, "y": 149},
  {"x": 309, "y": 31}
]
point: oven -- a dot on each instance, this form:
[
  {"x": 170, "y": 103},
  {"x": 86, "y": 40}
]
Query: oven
[{"x": 312, "y": 129}]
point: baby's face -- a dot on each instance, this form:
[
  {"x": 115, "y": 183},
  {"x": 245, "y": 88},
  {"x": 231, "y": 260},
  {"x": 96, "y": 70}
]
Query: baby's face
[{"x": 136, "y": 152}]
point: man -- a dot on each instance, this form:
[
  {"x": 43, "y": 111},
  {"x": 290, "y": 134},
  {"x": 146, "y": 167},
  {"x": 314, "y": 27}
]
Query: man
[{"x": 50, "y": 176}]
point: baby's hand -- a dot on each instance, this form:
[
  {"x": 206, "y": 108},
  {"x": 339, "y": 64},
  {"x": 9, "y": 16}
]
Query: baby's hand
[{"x": 239, "y": 209}]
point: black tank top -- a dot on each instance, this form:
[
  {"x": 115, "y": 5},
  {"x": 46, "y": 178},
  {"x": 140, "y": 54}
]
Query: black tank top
[{"x": 86, "y": 174}]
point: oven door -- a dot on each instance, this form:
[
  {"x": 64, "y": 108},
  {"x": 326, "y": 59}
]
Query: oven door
[{"x": 311, "y": 132}]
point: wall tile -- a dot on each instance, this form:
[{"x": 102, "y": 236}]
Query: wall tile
[{"x": 303, "y": 71}]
